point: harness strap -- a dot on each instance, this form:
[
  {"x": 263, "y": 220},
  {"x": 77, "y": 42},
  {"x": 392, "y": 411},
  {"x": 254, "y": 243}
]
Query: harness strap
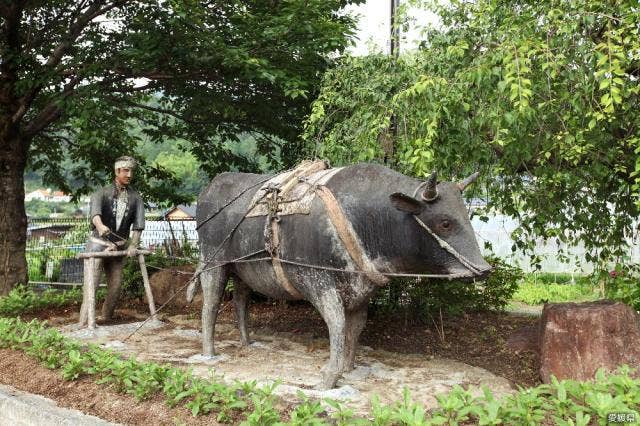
[
  {"x": 277, "y": 265},
  {"x": 348, "y": 236}
]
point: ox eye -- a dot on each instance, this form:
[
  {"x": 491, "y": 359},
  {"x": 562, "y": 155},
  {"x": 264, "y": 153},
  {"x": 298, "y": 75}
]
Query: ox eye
[{"x": 445, "y": 224}]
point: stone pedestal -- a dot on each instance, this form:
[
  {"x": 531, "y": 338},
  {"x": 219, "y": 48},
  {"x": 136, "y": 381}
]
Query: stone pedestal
[{"x": 576, "y": 339}]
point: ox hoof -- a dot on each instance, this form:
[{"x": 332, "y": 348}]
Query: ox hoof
[
  {"x": 329, "y": 380},
  {"x": 207, "y": 359}
]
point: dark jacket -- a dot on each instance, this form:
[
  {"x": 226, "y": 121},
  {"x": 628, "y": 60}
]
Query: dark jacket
[{"x": 102, "y": 203}]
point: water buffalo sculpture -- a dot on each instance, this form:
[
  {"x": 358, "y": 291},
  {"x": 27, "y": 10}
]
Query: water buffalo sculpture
[{"x": 364, "y": 218}]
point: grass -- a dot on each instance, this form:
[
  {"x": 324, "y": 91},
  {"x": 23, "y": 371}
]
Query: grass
[{"x": 536, "y": 289}]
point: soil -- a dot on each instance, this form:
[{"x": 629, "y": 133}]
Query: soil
[
  {"x": 26, "y": 374},
  {"x": 476, "y": 339}
]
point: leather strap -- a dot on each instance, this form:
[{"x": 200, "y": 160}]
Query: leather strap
[
  {"x": 348, "y": 236},
  {"x": 277, "y": 265}
]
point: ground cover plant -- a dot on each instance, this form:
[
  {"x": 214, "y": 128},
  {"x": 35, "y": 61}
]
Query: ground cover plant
[
  {"x": 561, "y": 402},
  {"x": 23, "y": 300}
]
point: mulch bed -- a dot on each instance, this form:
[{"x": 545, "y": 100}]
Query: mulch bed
[{"x": 26, "y": 374}]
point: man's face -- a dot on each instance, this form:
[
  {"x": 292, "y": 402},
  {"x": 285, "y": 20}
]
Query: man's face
[{"x": 124, "y": 176}]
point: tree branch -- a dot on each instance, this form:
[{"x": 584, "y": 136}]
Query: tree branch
[
  {"x": 156, "y": 109},
  {"x": 94, "y": 10},
  {"x": 11, "y": 34},
  {"x": 51, "y": 111}
]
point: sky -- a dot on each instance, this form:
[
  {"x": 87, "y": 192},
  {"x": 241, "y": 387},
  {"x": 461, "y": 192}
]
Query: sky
[{"x": 374, "y": 27}]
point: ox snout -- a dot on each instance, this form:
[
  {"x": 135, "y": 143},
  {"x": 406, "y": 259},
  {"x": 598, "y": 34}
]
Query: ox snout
[
  {"x": 483, "y": 273},
  {"x": 479, "y": 272}
]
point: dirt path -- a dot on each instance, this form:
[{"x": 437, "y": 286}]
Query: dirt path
[{"x": 296, "y": 362}]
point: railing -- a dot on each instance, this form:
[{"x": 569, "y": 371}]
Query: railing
[{"x": 52, "y": 245}]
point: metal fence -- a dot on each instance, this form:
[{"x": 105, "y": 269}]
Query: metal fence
[
  {"x": 497, "y": 231},
  {"x": 52, "y": 245}
]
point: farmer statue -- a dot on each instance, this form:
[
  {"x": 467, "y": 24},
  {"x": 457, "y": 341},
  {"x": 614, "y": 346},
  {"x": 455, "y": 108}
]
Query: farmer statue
[{"x": 115, "y": 210}]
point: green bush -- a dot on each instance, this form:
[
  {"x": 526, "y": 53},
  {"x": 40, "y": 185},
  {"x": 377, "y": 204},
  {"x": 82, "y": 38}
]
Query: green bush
[
  {"x": 427, "y": 296},
  {"x": 23, "y": 300},
  {"x": 623, "y": 284}
]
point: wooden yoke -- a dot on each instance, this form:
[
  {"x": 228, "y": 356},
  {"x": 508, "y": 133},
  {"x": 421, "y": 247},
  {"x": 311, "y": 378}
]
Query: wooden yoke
[{"x": 88, "y": 308}]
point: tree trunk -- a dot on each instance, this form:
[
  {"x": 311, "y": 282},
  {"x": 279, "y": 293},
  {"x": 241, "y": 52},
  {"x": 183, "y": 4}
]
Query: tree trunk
[{"x": 13, "y": 218}]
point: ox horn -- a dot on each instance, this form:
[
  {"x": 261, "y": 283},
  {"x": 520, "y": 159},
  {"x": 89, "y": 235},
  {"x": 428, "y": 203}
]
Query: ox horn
[
  {"x": 430, "y": 192},
  {"x": 468, "y": 181}
]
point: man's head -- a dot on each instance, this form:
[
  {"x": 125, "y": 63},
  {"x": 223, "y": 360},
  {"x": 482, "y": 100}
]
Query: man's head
[{"x": 124, "y": 167}]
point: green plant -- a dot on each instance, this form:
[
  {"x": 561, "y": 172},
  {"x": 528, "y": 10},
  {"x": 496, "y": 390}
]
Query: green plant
[
  {"x": 564, "y": 402},
  {"x": 262, "y": 400},
  {"x": 22, "y": 300},
  {"x": 307, "y": 413},
  {"x": 622, "y": 284},
  {"x": 408, "y": 412},
  {"x": 423, "y": 298},
  {"x": 533, "y": 294},
  {"x": 177, "y": 386}
]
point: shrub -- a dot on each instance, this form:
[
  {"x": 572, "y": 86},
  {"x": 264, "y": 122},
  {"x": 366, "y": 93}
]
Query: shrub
[
  {"x": 623, "y": 284},
  {"x": 22, "y": 300},
  {"x": 427, "y": 296}
]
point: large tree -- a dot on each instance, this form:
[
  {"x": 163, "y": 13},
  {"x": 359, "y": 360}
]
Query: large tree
[
  {"x": 542, "y": 97},
  {"x": 75, "y": 75}
]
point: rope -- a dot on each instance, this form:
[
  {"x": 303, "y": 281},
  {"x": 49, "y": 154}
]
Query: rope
[
  {"x": 185, "y": 286},
  {"x": 244, "y": 259},
  {"x": 232, "y": 200},
  {"x": 467, "y": 263}
]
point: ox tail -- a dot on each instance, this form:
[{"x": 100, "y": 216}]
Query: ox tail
[{"x": 192, "y": 289}]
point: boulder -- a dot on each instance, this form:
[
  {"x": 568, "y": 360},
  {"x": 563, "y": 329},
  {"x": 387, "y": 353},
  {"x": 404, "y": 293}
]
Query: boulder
[
  {"x": 576, "y": 339},
  {"x": 166, "y": 283}
]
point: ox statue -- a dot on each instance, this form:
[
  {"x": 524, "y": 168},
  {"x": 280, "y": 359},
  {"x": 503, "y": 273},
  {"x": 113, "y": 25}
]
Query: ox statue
[{"x": 333, "y": 236}]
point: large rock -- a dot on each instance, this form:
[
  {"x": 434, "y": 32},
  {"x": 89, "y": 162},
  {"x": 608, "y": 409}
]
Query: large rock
[
  {"x": 576, "y": 339},
  {"x": 166, "y": 283}
]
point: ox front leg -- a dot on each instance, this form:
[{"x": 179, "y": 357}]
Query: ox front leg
[
  {"x": 213, "y": 283},
  {"x": 241, "y": 302},
  {"x": 332, "y": 311},
  {"x": 355, "y": 323}
]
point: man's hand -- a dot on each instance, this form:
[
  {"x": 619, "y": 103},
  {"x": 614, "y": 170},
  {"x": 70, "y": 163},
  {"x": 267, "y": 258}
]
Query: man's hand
[
  {"x": 100, "y": 227},
  {"x": 103, "y": 230},
  {"x": 135, "y": 240},
  {"x": 111, "y": 247}
]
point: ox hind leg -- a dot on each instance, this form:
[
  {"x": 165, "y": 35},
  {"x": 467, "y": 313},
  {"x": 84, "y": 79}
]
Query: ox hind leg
[
  {"x": 241, "y": 301},
  {"x": 330, "y": 306},
  {"x": 355, "y": 322},
  {"x": 213, "y": 282}
]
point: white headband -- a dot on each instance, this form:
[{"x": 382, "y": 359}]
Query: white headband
[{"x": 125, "y": 164}]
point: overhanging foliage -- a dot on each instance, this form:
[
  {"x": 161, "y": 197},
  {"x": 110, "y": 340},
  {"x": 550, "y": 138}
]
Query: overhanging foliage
[{"x": 540, "y": 97}]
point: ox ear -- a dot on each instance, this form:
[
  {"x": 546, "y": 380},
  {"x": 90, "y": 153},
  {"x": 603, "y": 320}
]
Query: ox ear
[{"x": 405, "y": 203}]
